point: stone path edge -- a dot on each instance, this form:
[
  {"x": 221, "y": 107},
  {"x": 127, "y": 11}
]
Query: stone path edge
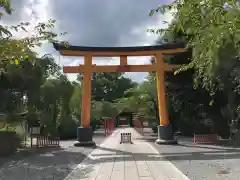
[
  {"x": 174, "y": 167},
  {"x": 89, "y": 155}
]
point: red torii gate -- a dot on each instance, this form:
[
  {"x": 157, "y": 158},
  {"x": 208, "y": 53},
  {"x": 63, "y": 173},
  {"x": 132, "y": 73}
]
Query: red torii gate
[{"x": 84, "y": 131}]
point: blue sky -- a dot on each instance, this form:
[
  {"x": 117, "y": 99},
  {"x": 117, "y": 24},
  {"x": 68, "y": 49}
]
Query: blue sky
[{"x": 94, "y": 23}]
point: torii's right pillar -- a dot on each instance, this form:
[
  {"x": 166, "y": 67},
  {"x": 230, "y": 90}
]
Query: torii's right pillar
[{"x": 165, "y": 134}]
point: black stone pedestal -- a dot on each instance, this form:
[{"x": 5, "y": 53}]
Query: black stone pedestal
[
  {"x": 84, "y": 137},
  {"x": 165, "y": 135}
]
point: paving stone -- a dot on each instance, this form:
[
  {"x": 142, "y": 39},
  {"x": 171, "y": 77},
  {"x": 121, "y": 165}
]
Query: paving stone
[
  {"x": 147, "y": 178},
  {"x": 118, "y": 171},
  {"x": 156, "y": 170},
  {"x": 203, "y": 161},
  {"x": 115, "y": 161},
  {"x": 143, "y": 169},
  {"x": 105, "y": 172}
]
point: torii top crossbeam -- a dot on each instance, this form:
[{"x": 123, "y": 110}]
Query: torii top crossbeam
[
  {"x": 122, "y": 52},
  {"x": 66, "y": 50}
]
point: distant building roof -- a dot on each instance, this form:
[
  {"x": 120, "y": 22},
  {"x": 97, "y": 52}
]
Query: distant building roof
[{"x": 124, "y": 113}]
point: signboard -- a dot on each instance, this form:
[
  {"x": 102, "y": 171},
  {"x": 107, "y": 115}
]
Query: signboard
[
  {"x": 145, "y": 123},
  {"x": 122, "y": 118},
  {"x": 35, "y": 130}
]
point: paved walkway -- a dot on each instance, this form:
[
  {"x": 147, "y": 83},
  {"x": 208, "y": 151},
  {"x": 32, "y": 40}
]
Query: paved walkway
[{"x": 115, "y": 161}]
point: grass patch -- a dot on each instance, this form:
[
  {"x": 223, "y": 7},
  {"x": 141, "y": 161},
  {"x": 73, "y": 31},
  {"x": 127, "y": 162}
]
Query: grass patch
[{"x": 7, "y": 129}]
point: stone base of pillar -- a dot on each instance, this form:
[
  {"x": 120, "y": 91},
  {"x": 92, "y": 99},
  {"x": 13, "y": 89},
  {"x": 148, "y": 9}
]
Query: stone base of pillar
[
  {"x": 84, "y": 137},
  {"x": 165, "y": 135}
]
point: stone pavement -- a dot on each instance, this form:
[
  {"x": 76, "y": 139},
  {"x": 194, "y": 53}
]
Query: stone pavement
[
  {"x": 115, "y": 161},
  {"x": 46, "y": 164},
  {"x": 200, "y": 162}
]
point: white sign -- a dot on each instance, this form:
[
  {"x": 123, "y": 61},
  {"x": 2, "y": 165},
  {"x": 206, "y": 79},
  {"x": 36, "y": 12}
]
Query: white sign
[
  {"x": 145, "y": 123},
  {"x": 122, "y": 119},
  {"x": 35, "y": 130}
]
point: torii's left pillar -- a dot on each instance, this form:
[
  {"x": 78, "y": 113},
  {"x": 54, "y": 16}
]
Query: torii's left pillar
[{"x": 84, "y": 132}]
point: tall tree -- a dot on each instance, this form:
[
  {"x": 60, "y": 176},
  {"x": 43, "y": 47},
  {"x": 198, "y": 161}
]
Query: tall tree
[
  {"x": 212, "y": 28},
  {"x": 109, "y": 86}
]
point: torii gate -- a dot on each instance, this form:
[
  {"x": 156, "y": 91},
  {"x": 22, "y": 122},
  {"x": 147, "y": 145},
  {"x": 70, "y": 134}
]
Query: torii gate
[{"x": 84, "y": 131}]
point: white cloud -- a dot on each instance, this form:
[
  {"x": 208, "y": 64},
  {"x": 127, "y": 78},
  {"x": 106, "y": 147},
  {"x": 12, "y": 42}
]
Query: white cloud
[
  {"x": 93, "y": 23},
  {"x": 32, "y": 11},
  {"x": 146, "y": 40}
]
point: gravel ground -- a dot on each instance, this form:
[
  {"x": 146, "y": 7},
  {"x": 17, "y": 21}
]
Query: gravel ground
[
  {"x": 203, "y": 163},
  {"x": 200, "y": 162},
  {"x": 51, "y": 164}
]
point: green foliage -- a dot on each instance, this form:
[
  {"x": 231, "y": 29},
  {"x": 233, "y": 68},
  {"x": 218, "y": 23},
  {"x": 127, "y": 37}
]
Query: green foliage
[
  {"x": 67, "y": 128},
  {"x": 75, "y": 101},
  {"x": 12, "y": 49},
  {"x": 140, "y": 99},
  {"x": 8, "y": 128},
  {"x": 212, "y": 30},
  {"x": 25, "y": 85},
  {"x": 108, "y": 109},
  {"x": 6, "y": 5},
  {"x": 109, "y": 86}
]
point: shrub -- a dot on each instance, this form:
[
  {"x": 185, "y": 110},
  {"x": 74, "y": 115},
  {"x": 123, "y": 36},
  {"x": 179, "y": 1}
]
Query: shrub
[
  {"x": 95, "y": 124},
  {"x": 186, "y": 128},
  {"x": 67, "y": 128},
  {"x": 154, "y": 129}
]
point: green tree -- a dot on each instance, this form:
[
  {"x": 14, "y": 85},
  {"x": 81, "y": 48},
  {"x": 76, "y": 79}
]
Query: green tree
[
  {"x": 21, "y": 80},
  {"x": 190, "y": 108},
  {"x": 5, "y": 8},
  {"x": 75, "y": 101},
  {"x": 212, "y": 30},
  {"x": 110, "y": 86},
  {"x": 21, "y": 86},
  {"x": 21, "y": 49}
]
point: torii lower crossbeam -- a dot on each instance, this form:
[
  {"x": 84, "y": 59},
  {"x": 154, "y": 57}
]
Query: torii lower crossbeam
[{"x": 84, "y": 131}]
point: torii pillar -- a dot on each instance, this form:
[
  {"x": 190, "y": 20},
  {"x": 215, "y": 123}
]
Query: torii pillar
[
  {"x": 165, "y": 135},
  {"x": 84, "y": 132}
]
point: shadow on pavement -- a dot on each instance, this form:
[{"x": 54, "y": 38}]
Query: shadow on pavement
[
  {"x": 192, "y": 154},
  {"x": 191, "y": 151},
  {"x": 99, "y": 133},
  {"x": 205, "y": 147},
  {"x": 52, "y": 164},
  {"x": 47, "y": 163}
]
